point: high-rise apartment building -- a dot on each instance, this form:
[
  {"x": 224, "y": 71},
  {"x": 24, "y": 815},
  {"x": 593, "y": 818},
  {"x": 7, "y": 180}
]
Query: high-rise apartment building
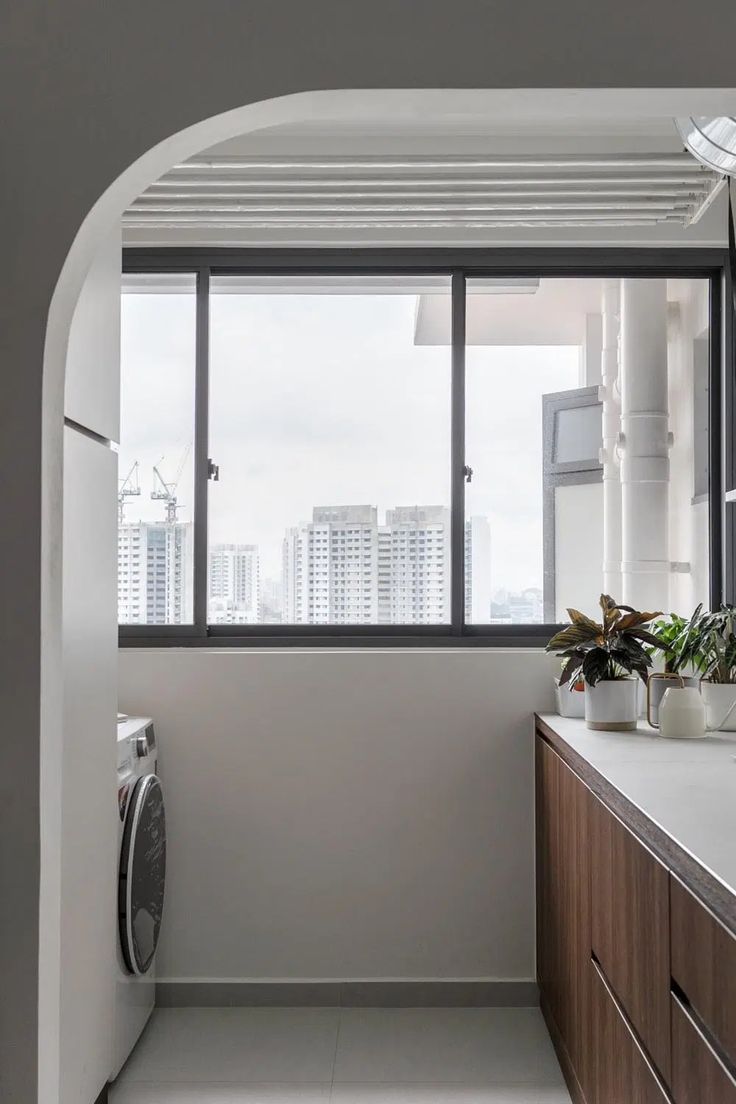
[
  {"x": 477, "y": 571},
  {"x": 330, "y": 568},
  {"x": 341, "y": 568},
  {"x": 233, "y": 585},
  {"x": 415, "y": 542},
  {"x": 344, "y": 568},
  {"x": 154, "y": 573}
]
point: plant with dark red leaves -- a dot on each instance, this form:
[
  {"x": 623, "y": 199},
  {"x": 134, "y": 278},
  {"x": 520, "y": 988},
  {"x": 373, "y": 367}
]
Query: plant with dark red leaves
[{"x": 614, "y": 649}]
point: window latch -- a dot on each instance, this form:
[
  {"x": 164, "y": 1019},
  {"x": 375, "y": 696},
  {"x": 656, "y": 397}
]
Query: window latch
[
  {"x": 213, "y": 471},
  {"x": 468, "y": 473}
]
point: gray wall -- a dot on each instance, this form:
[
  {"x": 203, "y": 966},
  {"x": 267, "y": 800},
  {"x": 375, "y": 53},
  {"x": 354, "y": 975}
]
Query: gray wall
[
  {"x": 350, "y": 814},
  {"x": 90, "y": 88}
]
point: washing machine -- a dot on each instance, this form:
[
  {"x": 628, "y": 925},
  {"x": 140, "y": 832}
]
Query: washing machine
[{"x": 141, "y": 881}]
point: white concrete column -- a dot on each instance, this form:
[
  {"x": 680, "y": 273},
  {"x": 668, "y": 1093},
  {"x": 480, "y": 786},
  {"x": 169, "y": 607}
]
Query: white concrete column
[
  {"x": 592, "y": 351},
  {"x": 644, "y": 444},
  {"x": 610, "y": 393}
]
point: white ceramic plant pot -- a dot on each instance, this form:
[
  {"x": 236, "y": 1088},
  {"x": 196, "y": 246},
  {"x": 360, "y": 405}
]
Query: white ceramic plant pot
[
  {"x": 570, "y": 703},
  {"x": 719, "y": 698},
  {"x": 612, "y": 705}
]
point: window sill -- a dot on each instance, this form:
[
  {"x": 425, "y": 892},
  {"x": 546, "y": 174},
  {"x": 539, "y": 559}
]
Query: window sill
[{"x": 522, "y": 636}]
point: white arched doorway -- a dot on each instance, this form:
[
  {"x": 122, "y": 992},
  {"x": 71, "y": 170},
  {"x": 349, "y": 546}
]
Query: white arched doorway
[
  {"x": 345, "y": 105},
  {"x": 104, "y": 216}
]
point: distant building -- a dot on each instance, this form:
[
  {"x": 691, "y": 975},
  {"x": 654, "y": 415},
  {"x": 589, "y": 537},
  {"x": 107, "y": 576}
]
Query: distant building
[
  {"x": 272, "y": 601},
  {"x": 343, "y": 568},
  {"x": 155, "y": 573},
  {"x": 526, "y": 607},
  {"x": 477, "y": 571},
  {"x": 330, "y": 568},
  {"x": 415, "y": 543},
  {"x": 233, "y": 589}
]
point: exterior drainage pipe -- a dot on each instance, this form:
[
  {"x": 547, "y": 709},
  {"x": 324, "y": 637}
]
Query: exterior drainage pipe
[
  {"x": 644, "y": 443},
  {"x": 610, "y": 395}
]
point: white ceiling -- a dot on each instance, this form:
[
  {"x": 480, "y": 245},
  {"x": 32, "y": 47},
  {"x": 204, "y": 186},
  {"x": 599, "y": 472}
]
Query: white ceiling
[
  {"x": 454, "y": 179},
  {"x": 474, "y": 129}
]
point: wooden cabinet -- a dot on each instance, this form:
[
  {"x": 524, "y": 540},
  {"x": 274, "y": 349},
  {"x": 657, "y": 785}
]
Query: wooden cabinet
[
  {"x": 637, "y": 978},
  {"x": 621, "y": 1072},
  {"x": 563, "y": 905},
  {"x": 699, "y": 1074},
  {"x": 630, "y": 929},
  {"x": 704, "y": 966}
]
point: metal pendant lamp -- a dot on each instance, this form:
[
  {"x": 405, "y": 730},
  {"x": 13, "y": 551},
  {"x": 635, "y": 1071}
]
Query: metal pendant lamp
[{"x": 712, "y": 141}]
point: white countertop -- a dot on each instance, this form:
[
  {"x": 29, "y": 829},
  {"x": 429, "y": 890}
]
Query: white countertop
[{"x": 686, "y": 787}]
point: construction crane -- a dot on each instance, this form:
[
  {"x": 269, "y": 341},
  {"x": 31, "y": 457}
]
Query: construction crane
[
  {"x": 166, "y": 492},
  {"x": 128, "y": 487}
]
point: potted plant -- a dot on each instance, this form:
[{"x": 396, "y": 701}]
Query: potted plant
[
  {"x": 570, "y": 697},
  {"x": 670, "y": 633},
  {"x": 610, "y": 657},
  {"x": 708, "y": 644}
]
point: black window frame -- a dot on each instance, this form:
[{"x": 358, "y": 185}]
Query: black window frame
[{"x": 459, "y": 265}]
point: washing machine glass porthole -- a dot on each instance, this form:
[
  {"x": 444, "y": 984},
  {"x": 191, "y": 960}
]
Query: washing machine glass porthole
[{"x": 142, "y": 874}]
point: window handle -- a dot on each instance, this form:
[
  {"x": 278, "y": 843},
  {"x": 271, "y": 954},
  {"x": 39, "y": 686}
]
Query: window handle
[
  {"x": 213, "y": 471},
  {"x": 468, "y": 473}
]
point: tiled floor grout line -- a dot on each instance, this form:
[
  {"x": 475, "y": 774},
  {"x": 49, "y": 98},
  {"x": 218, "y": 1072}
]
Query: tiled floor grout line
[{"x": 337, "y": 1044}]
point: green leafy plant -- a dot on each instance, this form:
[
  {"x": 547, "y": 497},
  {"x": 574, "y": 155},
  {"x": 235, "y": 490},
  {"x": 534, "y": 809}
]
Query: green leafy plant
[
  {"x": 708, "y": 644},
  {"x": 670, "y": 633},
  {"x": 613, "y": 649}
]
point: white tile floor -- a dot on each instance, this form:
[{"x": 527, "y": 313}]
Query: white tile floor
[{"x": 348, "y": 1056}]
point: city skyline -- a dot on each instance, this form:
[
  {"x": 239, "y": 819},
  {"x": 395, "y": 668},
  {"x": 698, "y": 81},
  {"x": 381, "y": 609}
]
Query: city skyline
[
  {"x": 345, "y": 566},
  {"x": 301, "y": 413}
]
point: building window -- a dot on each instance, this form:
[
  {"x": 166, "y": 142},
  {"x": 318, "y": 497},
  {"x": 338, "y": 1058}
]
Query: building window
[{"x": 405, "y": 454}]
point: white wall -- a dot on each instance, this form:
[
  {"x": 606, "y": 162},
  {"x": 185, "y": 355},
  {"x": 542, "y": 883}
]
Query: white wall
[
  {"x": 345, "y": 814},
  {"x": 688, "y": 518},
  {"x": 578, "y": 548},
  {"x": 88, "y": 835},
  {"x": 89, "y": 798},
  {"x": 92, "y": 384}
]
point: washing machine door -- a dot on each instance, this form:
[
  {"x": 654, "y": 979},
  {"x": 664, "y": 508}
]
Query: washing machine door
[{"x": 142, "y": 874}]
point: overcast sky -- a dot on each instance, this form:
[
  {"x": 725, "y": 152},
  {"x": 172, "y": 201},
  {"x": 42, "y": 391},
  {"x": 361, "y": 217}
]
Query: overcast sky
[{"x": 325, "y": 400}]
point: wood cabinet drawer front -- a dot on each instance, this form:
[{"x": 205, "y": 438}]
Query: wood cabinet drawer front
[
  {"x": 698, "y": 1074},
  {"x": 621, "y": 1073},
  {"x": 563, "y": 902},
  {"x": 704, "y": 965},
  {"x": 630, "y": 929}
]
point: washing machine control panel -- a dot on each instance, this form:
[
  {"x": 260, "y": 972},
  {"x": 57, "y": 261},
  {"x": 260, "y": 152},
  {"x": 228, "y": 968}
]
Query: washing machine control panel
[{"x": 136, "y": 741}]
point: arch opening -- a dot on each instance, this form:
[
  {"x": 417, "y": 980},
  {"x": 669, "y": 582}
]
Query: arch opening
[{"x": 350, "y": 105}]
